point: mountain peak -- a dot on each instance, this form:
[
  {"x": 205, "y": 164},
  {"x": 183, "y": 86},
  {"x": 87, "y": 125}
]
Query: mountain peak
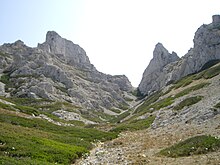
[
  {"x": 52, "y": 36},
  {"x": 66, "y": 50},
  {"x": 163, "y": 68},
  {"x": 161, "y": 58}
]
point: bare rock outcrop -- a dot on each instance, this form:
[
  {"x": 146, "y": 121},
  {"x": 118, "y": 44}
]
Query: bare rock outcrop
[
  {"x": 162, "y": 71},
  {"x": 60, "y": 70},
  {"x": 153, "y": 77}
]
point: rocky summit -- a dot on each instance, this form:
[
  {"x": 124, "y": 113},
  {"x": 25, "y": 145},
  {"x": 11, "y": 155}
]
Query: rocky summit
[
  {"x": 165, "y": 68},
  {"x": 60, "y": 70}
]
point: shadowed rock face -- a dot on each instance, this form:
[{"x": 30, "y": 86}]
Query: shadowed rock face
[
  {"x": 171, "y": 68},
  {"x": 60, "y": 70}
]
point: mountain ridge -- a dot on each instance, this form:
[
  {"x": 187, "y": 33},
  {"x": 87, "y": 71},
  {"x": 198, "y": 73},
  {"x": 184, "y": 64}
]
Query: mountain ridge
[
  {"x": 58, "y": 69},
  {"x": 206, "y": 48}
]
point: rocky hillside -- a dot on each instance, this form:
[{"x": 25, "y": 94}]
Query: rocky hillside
[
  {"x": 177, "y": 125},
  {"x": 165, "y": 68},
  {"x": 59, "y": 70}
]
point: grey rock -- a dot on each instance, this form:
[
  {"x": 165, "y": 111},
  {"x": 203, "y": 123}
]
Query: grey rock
[
  {"x": 66, "y": 50},
  {"x": 60, "y": 70},
  {"x": 153, "y": 77},
  {"x": 161, "y": 71},
  {"x": 2, "y": 89}
]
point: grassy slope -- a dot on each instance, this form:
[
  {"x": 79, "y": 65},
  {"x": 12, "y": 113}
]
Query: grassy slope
[
  {"x": 193, "y": 146},
  {"x": 153, "y": 102},
  {"x": 26, "y": 141}
]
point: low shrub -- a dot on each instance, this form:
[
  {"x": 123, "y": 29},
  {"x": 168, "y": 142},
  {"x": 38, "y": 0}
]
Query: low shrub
[
  {"x": 193, "y": 146},
  {"x": 190, "y": 89},
  {"x": 134, "y": 125},
  {"x": 187, "y": 102}
]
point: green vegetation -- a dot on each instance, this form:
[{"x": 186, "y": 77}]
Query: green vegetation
[
  {"x": 162, "y": 103},
  {"x": 134, "y": 125},
  {"x": 151, "y": 99},
  {"x": 26, "y": 101},
  {"x": 6, "y": 80},
  {"x": 115, "y": 110},
  {"x": 40, "y": 106},
  {"x": 190, "y": 89},
  {"x": 4, "y": 55},
  {"x": 123, "y": 106},
  {"x": 34, "y": 140},
  {"x": 206, "y": 72},
  {"x": 193, "y": 146},
  {"x": 54, "y": 106},
  {"x": 188, "y": 101},
  {"x": 217, "y": 105},
  {"x": 184, "y": 81},
  {"x": 209, "y": 73},
  {"x": 154, "y": 106},
  {"x": 118, "y": 118},
  {"x": 128, "y": 99}
]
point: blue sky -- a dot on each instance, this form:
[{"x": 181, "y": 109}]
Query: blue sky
[{"x": 118, "y": 35}]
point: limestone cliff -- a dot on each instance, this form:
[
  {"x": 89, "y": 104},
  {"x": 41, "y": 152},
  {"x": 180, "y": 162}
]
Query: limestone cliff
[
  {"x": 60, "y": 70},
  {"x": 161, "y": 71},
  {"x": 153, "y": 77}
]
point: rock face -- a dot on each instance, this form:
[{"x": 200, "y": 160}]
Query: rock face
[
  {"x": 60, "y": 70},
  {"x": 162, "y": 71},
  {"x": 71, "y": 53},
  {"x": 153, "y": 78}
]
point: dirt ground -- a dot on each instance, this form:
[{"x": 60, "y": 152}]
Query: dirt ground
[{"x": 141, "y": 147}]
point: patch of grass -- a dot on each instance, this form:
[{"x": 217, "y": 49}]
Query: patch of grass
[
  {"x": 209, "y": 73},
  {"x": 6, "y": 160},
  {"x": 212, "y": 72},
  {"x": 156, "y": 106},
  {"x": 184, "y": 81},
  {"x": 193, "y": 146},
  {"x": 20, "y": 144},
  {"x": 187, "y": 102},
  {"x": 54, "y": 106},
  {"x": 31, "y": 110},
  {"x": 35, "y": 140},
  {"x": 128, "y": 99},
  {"x": 4, "y": 55},
  {"x": 151, "y": 99},
  {"x": 134, "y": 125},
  {"x": 162, "y": 103},
  {"x": 118, "y": 118},
  {"x": 190, "y": 89},
  {"x": 6, "y": 106},
  {"x": 169, "y": 90},
  {"x": 26, "y": 101},
  {"x": 115, "y": 110},
  {"x": 5, "y": 78},
  {"x": 27, "y": 110},
  {"x": 123, "y": 106},
  {"x": 217, "y": 105}
]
